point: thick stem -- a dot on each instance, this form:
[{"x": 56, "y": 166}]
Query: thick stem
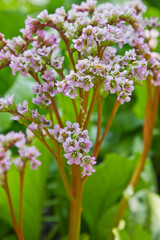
[
  {"x": 11, "y": 208},
  {"x": 75, "y": 209},
  {"x": 75, "y": 204},
  {"x": 21, "y": 201}
]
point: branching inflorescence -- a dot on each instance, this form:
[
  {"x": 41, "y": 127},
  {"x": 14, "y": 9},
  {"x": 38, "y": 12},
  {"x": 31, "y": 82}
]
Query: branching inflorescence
[{"x": 109, "y": 49}]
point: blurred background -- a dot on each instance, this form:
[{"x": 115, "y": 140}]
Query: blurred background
[{"x": 124, "y": 138}]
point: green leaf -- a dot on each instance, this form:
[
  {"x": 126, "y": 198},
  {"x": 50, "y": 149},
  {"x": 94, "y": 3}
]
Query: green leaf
[
  {"x": 22, "y": 89},
  {"x": 139, "y": 233},
  {"x": 105, "y": 222},
  {"x": 137, "y": 213},
  {"x": 11, "y": 22},
  {"x": 5, "y": 121},
  {"x": 140, "y": 105},
  {"x": 104, "y": 188},
  {"x": 33, "y": 197},
  {"x": 66, "y": 107},
  {"x": 151, "y": 9}
]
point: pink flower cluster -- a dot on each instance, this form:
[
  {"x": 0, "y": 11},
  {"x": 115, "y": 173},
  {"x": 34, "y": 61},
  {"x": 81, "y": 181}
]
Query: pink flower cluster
[
  {"x": 106, "y": 36},
  {"x": 94, "y": 33},
  {"x": 26, "y": 153},
  {"x": 76, "y": 145},
  {"x": 44, "y": 49}
]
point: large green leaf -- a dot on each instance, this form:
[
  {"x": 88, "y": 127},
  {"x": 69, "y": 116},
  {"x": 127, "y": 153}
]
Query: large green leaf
[
  {"x": 104, "y": 188},
  {"x": 105, "y": 222},
  {"x": 33, "y": 198},
  {"x": 139, "y": 233},
  {"x": 66, "y": 107},
  {"x": 140, "y": 104},
  {"x": 22, "y": 89}
]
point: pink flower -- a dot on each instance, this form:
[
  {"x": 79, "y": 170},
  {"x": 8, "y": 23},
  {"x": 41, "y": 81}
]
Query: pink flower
[
  {"x": 43, "y": 15},
  {"x": 23, "y": 108},
  {"x": 73, "y": 156},
  {"x": 78, "y": 44},
  {"x": 34, "y": 164}
]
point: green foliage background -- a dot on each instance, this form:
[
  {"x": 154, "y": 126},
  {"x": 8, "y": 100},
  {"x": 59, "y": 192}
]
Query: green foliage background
[{"x": 45, "y": 203}]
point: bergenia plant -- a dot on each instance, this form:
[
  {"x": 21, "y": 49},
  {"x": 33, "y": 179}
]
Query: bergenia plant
[{"x": 109, "y": 48}]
